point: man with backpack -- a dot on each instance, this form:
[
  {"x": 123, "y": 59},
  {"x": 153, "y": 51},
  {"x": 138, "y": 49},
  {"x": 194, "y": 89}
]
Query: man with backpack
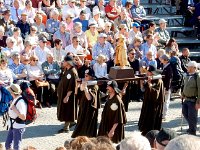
[
  {"x": 191, "y": 96},
  {"x": 17, "y": 113}
]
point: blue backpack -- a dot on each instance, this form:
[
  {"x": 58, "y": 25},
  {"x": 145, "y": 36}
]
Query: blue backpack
[{"x": 5, "y": 100}]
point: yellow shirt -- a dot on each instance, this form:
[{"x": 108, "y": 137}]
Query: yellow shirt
[{"x": 92, "y": 39}]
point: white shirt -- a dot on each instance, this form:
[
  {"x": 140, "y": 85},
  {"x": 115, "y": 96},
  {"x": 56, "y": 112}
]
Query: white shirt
[
  {"x": 33, "y": 72},
  {"x": 6, "y": 76},
  {"x": 78, "y": 50},
  {"x": 58, "y": 54},
  {"x": 41, "y": 54},
  {"x": 67, "y": 9},
  {"x": 22, "y": 108},
  {"x": 132, "y": 36},
  {"x": 100, "y": 70}
]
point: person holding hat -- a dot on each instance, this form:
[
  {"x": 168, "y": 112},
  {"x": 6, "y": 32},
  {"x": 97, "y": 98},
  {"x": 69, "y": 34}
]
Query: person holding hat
[
  {"x": 82, "y": 20},
  {"x": 168, "y": 73},
  {"x": 162, "y": 32},
  {"x": 23, "y": 25},
  {"x": 113, "y": 117},
  {"x": 108, "y": 32},
  {"x": 164, "y": 137},
  {"x": 152, "y": 107},
  {"x": 191, "y": 96},
  {"x": 17, "y": 113},
  {"x": 67, "y": 106},
  {"x": 88, "y": 107}
]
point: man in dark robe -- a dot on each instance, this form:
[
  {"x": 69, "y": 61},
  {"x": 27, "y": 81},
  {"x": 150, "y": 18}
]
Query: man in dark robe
[
  {"x": 113, "y": 116},
  {"x": 152, "y": 107},
  {"x": 88, "y": 108},
  {"x": 67, "y": 109}
]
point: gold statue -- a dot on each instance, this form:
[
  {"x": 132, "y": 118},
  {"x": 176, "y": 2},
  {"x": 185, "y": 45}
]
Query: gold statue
[{"x": 121, "y": 52}]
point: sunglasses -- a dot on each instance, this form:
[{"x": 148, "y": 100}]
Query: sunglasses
[
  {"x": 35, "y": 60},
  {"x": 132, "y": 53}
]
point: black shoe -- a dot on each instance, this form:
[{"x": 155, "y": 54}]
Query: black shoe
[
  {"x": 72, "y": 124},
  {"x": 48, "y": 105},
  {"x": 63, "y": 131}
]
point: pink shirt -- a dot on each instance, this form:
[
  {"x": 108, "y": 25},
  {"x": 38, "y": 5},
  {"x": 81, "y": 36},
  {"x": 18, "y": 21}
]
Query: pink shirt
[{"x": 69, "y": 26}]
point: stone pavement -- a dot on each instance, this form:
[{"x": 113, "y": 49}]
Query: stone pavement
[{"x": 43, "y": 133}]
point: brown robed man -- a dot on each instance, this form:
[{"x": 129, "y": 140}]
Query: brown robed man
[{"x": 67, "y": 109}]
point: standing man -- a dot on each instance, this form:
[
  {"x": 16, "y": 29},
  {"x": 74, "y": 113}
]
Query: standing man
[
  {"x": 17, "y": 113},
  {"x": 184, "y": 58},
  {"x": 168, "y": 73},
  {"x": 191, "y": 95},
  {"x": 113, "y": 116},
  {"x": 67, "y": 109}
]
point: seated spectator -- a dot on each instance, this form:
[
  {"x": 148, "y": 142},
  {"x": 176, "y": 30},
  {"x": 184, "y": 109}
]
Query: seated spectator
[
  {"x": 163, "y": 138},
  {"x": 52, "y": 24},
  {"x": 6, "y": 75},
  {"x": 100, "y": 67},
  {"x": 63, "y": 35},
  {"x": 184, "y": 58},
  {"x": 148, "y": 60},
  {"x": 23, "y": 25},
  {"x": 184, "y": 142},
  {"x": 135, "y": 142},
  {"x": 18, "y": 69},
  {"x": 100, "y": 7},
  {"x": 52, "y": 72},
  {"x": 134, "y": 62},
  {"x": 78, "y": 142},
  {"x": 30, "y": 11},
  {"x": 16, "y": 11},
  {"x": 7, "y": 23},
  {"x": 58, "y": 52},
  {"x": 27, "y": 52},
  {"x": 19, "y": 46},
  {"x": 137, "y": 46},
  {"x": 82, "y": 20},
  {"x": 85, "y": 8},
  {"x": 128, "y": 6},
  {"x": 70, "y": 7},
  {"x": 97, "y": 17},
  {"x": 151, "y": 136},
  {"x": 102, "y": 47},
  {"x": 123, "y": 19},
  {"x": 108, "y": 32},
  {"x": 112, "y": 10},
  {"x": 69, "y": 21},
  {"x": 123, "y": 30},
  {"x": 2, "y": 37},
  {"x": 41, "y": 50},
  {"x": 148, "y": 46},
  {"x": 77, "y": 31},
  {"x": 85, "y": 66},
  {"x": 150, "y": 30},
  {"x": 92, "y": 34},
  {"x": 159, "y": 54},
  {"x": 134, "y": 32},
  {"x": 76, "y": 48},
  {"x": 162, "y": 32},
  {"x": 171, "y": 46},
  {"x": 36, "y": 73},
  {"x": 33, "y": 37},
  {"x": 38, "y": 24}
]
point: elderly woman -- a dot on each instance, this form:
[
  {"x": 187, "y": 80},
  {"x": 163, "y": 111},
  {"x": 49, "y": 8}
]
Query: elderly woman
[
  {"x": 19, "y": 41},
  {"x": 52, "y": 72},
  {"x": 35, "y": 74},
  {"x": 77, "y": 31},
  {"x": 38, "y": 24},
  {"x": 63, "y": 35},
  {"x": 52, "y": 24},
  {"x": 6, "y": 75},
  {"x": 30, "y": 11},
  {"x": 2, "y": 37},
  {"x": 18, "y": 69},
  {"x": 69, "y": 22},
  {"x": 33, "y": 37},
  {"x": 108, "y": 32},
  {"x": 101, "y": 8},
  {"x": 27, "y": 51}
]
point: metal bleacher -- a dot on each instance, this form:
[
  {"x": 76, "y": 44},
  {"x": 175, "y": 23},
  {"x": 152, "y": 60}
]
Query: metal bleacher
[{"x": 185, "y": 36}]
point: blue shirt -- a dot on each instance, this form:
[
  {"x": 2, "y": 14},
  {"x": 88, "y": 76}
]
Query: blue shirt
[
  {"x": 16, "y": 69},
  {"x": 52, "y": 26},
  {"x": 106, "y": 50},
  {"x": 138, "y": 12},
  {"x": 83, "y": 22},
  {"x": 145, "y": 48},
  {"x": 145, "y": 62}
]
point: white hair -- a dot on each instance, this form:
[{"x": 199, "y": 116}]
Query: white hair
[
  {"x": 10, "y": 39},
  {"x": 135, "y": 142},
  {"x": 2, "y": 29},
  {"x": 184, "y": 142},
  {"x": 54, "y": 12}
]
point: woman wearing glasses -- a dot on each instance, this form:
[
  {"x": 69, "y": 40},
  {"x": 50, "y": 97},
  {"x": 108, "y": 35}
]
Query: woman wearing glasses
[{"x": 36, "y": 73}]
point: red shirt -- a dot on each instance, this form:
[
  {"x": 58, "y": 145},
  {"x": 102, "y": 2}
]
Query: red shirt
[
  {"x": 35, "y": 3},
  {"x": 111, "y": 10}
]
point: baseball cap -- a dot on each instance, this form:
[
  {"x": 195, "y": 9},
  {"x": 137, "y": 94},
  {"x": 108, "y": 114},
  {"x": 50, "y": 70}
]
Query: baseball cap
[
  {"x": 162, "y": 21},
  {"x": 102, "y": 35},
  {"x": 135, "y": 24},
  {"x": 192, "y": 64}
]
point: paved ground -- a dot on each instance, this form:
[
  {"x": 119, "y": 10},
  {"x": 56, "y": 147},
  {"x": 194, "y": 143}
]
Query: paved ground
[{"x": 43, "y": 134}]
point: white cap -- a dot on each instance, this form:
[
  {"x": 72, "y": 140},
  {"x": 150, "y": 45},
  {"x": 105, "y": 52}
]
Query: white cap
[
  {"x": 102, "y": 35},
  {"x": 162, "y": 21},
  {"x": 192, "y": 64},
  {"x": 92, "y": 23}
]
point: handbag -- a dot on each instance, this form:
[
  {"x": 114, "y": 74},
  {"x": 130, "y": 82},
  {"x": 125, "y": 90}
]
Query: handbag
[{"x": 41, "y": 83}]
